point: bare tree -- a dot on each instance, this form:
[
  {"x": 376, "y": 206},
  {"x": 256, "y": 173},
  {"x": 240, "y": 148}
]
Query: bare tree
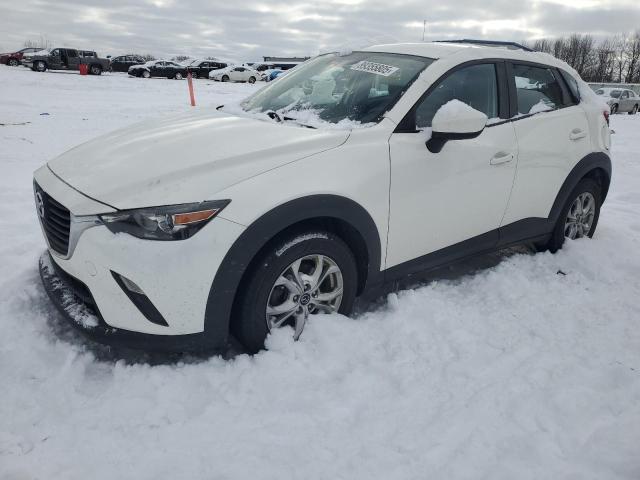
[
  {"x": 43, "y": 42},
  {"x": 632, "y": 52}
]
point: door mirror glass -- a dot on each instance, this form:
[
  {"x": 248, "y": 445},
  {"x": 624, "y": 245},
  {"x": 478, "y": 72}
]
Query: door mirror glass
[{"x": 456, "y": 117}]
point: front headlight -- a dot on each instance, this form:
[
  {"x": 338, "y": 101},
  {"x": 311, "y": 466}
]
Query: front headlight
[{"x": 173, "y": 222}]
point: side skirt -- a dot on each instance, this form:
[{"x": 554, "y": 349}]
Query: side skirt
[{"x": 521, "y": 232}]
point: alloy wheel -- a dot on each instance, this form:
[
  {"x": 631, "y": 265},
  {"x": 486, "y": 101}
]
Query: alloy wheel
[
  {"x": 311, "y": 285},
  {"x": 580, "y": 216}
]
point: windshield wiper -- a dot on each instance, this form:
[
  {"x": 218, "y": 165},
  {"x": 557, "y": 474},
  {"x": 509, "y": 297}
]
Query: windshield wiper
[
  {"x": 273, "y": 116},
  {"x": 290, "y": 119}
]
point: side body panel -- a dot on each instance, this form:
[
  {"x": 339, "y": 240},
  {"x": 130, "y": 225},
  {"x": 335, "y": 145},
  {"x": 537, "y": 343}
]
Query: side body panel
[{"x": 549, "y": 148}]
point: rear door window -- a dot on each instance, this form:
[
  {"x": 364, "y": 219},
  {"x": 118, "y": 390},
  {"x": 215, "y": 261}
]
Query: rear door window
[{"x": 537, "y": 89}]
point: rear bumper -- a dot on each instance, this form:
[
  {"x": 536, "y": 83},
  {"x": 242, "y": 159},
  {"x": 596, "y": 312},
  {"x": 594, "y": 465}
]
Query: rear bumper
[{"x": 74, "y": 301}]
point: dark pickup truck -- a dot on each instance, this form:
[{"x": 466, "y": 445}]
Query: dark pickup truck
[{"x": 66, "y": 59}]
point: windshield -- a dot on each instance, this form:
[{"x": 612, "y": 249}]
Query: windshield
[{"x": 360, "y": 87}]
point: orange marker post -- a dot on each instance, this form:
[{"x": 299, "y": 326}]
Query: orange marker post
[{"x": 191, "y": 95}]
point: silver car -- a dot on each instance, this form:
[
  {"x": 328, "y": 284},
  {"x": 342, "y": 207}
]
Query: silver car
[{"x": 621, "y": 99}]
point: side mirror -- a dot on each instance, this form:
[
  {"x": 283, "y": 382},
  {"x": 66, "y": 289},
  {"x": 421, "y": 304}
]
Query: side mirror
[{"x": 455, "y": 120}]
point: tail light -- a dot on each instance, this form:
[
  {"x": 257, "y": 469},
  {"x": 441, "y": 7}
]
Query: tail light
[{"x": 606, "y": 116}]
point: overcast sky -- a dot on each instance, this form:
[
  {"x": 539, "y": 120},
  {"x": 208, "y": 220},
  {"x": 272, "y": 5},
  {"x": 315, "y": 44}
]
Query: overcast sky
[{"x": 246, "y": 30}]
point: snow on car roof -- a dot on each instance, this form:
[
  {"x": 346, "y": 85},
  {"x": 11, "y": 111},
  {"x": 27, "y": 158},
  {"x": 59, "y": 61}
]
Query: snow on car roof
[{"x": 438, "y": 50}]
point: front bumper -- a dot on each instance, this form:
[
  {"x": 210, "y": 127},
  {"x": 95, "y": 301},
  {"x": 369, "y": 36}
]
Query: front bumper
[
  {"x": 175, "y": 276},
  {"x": 74, "y": 301}
]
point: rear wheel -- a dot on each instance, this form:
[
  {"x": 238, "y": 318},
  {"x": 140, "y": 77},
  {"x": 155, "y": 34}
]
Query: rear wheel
[
  {"x": 95, "y": 70},
  {"x": 579, "y": 216},
  {"x": 302, "y": 276},
  {"x": 40, "y": 66},
  {"x": 634, "y": 110},
  {"x": 13, "y": 62}
]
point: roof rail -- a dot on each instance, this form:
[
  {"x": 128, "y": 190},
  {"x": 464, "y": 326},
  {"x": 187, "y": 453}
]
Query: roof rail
[{"x": 489, "y": 43}]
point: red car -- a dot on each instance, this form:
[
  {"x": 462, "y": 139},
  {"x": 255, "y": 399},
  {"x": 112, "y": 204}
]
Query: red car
[{"x": 14, "y": 59}]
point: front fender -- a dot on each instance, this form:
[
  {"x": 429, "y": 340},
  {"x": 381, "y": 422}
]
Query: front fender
[{"x": 239, "y": 257}]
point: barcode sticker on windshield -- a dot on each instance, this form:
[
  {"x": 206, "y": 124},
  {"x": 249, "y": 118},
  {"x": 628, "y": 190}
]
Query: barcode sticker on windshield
[{"x": 372, "y": 67}]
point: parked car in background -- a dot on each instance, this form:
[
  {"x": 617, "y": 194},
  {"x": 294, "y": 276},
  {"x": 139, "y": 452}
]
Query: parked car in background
[
  {"x": 13, "y": 59},
  {"x": 202, "y": 68},
  {"x": 122, "y": 63},
  {"x": 159, "y": 68},
  {"x": 235, "y": 74},
  {"x": 273, "y": 74},
  {"x": 263, "y": 66},
  {"x": 66, "y": 59},
  {"x": 620, "y": 99},
  {"x": 180, "y": 231}
]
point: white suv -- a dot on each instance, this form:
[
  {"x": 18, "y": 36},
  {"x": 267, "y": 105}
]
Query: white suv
[{"x": 351, "y": 172}]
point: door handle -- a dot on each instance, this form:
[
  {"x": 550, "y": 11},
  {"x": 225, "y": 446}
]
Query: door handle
[
  {"x": 501, "y": 157},
  {"x": 577, "y": 134}
]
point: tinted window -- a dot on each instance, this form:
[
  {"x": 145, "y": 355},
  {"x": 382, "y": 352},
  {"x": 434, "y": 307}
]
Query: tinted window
[
  {"x": 537, "y": 89},
  {"x": 572, "y": 83},
  {"x": 475, "y": 85},
  {"x": 625, "y": 94}
]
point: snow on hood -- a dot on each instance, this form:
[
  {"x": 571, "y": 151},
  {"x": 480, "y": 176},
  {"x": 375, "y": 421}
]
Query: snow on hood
[{"x": 185, "y": 158}]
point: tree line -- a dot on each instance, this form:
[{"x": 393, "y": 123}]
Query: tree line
[{"x": 613, "y": 59}]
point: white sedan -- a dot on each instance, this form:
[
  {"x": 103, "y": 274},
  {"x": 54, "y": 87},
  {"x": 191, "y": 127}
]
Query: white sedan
[{"x": 235, "y": 74}]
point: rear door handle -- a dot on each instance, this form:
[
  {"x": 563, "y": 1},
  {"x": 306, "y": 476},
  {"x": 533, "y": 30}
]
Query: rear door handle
[
  {"x": 501, "y": 157},
  {"x": 577, "y": 134}
]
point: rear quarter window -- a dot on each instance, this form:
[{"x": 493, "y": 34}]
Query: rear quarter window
[{"x": 572, "y": 83}]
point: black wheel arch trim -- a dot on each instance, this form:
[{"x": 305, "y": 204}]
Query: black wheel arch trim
[
  {"x": 239, "y": 257},
  {"x": 591, "y": 162}
]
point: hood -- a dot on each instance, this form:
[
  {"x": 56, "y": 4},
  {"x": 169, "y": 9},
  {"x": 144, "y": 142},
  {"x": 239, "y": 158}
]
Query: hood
[{"x": 185, "y": 158}]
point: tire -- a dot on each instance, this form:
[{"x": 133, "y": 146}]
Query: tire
[
  {"x": 194, "y": 75},
  {"x": 95, "y": 70},
  {"x": 260, "y": 289},
  {"x": 586, "y": 186},
  {"x": 634, "y": 110},
  {"x": 614, "y": 109},
  {"x": 146, "y": 74},
  {"x": 40, "y": 66},
  {"x": 252, "y": 80},
  {"x": 178, "y": 76},
  {"x": 13, "y": 62},
  {"x": 225, "y": 78}
]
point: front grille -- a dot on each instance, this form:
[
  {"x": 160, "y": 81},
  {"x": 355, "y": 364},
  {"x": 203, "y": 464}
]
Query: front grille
[{"x": 55, "y": 219}]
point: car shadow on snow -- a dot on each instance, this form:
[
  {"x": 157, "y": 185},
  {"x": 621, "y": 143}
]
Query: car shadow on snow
[{"x": 65, "y": 332}]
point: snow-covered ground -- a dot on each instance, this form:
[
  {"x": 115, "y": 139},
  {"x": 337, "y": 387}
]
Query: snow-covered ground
[{"x": 513, "y": 372}]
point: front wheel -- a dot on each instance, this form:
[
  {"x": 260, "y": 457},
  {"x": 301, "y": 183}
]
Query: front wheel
[
  {"x": 614, "y": 109},
  {"x": 146, "y": 74},
  {"x": 178, "y": 76},
  {"x": 579, "y": 216},
  {"x": 252, "y": 79},
  {"x": 225, "y": 78},
  {"x": 40, "y": 66},
  {"x": 634, "y": 110},
  {"x": 300, "y": 277}
]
